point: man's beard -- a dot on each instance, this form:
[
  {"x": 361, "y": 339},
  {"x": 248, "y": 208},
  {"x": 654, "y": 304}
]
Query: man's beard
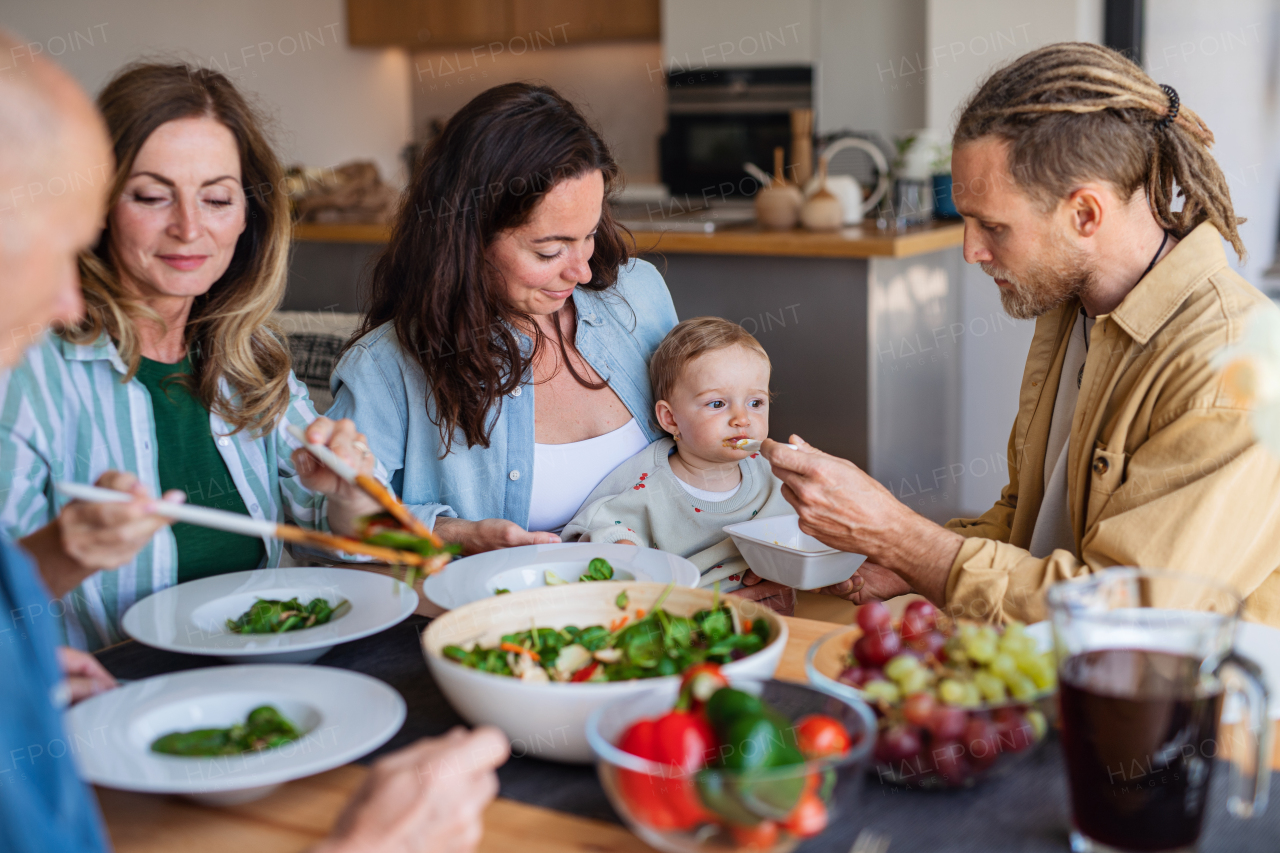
[{"x": 1043, "y": 287}]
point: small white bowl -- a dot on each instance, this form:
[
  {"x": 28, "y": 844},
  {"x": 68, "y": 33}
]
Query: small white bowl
[
  {"x": 776, "y": 550},
  {"x": 549, "y": 720}
]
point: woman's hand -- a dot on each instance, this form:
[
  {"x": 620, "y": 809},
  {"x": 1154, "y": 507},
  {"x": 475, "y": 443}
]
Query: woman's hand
[
  {"x": 777, "y": 597},
  {"x": 489, "y": 534},
  {"x": 89, "y": 537},
  {"x": 430, "y": 796},
  {"x": 872, "y": 582},
  {"x": 85, "y": 675},
  {"x": 347, "y": 501}
]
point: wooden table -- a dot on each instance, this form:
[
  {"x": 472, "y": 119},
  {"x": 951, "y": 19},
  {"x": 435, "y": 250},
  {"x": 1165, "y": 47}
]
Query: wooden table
[{"x": 300, "y": 813}]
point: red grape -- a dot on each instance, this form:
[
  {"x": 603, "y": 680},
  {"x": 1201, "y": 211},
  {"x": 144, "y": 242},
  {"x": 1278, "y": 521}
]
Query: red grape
[
  {"x": 1013, "y": 732},
  {"x": 981, "y": 743},
  {"x": 948, "y": 761},
  {"x": 922, "y": 615},
  {"x": 857, "y": 676},
  {"x": 931, "y": 643},
  {"x": 897, "y": 743},
  {"x": 919, "y": 708},
  {"x": 873, "y": 616},
  {"x": 875, "y": 648},
  {"x": 948, "y": 722}
]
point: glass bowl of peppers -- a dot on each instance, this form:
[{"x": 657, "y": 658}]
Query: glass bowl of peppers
[
  {"x": 957, "y": 702},
  {"x": 720, "y": 763}
]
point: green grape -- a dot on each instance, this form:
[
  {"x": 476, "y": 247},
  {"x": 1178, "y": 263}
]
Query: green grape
[
  {"x": 901, "y": 666},
  {"x": 991, "y": 687},
  {"x": 1015, "y": 629},
  {"x": 950, "y": 691},
  {"x": 1041, "y": 672},
  {"x": 1003, "y": 665},
  {"x": 1022, "y": 687},
  {"x": 879, "y": 689},
  {"x": 972, "y": 696},
  {"x": 1038, "y": 723},
  {"x": 981, "y": 649},
  {"x": 916, "y": 681}
]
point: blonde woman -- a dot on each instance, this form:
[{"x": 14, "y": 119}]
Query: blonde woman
[{"x": 175, "y": 375}]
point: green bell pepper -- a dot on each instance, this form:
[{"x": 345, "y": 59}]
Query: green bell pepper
[{"x": 754, "y": 742}]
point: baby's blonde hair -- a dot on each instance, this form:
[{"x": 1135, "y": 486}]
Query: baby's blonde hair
[{"x": 690, "y": 339}]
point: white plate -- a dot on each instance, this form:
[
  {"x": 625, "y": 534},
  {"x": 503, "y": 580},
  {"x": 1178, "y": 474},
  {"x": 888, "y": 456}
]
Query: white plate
[
  {"x": 516, "y": 569},
  {"x": 1258, "y": 643},
  {"x": 191, "y": 617},
  {"x": 345, "y": 715}
]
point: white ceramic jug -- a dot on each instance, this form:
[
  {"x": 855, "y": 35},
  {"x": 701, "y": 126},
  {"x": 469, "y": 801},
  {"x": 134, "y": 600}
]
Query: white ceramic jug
[{"x": 846, "y": 187}]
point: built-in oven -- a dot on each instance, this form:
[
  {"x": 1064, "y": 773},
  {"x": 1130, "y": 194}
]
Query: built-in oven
[{"x": 719, "y": 119}]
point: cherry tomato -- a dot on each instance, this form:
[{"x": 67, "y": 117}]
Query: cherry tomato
[
  {"x": 762, "y": 836},
  {"x": 819, "y": 736},
  {"x": 808, "y": 818}
]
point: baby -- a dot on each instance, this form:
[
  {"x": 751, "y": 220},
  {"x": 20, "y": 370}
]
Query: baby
[{"x": 711, "y": 381}]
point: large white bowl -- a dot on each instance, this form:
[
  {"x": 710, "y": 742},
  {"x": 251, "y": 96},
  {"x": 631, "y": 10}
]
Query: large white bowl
[
  {"x": 517, "y": 569},
  {"x": 345, "y": 715},
  {"x": 549, "y": 720},
  {"x": 191, "y": 617},
  {"x": 776, "y": 550}
]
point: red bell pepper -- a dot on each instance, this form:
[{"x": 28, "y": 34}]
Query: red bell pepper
[{"x": 682, "y": 741}]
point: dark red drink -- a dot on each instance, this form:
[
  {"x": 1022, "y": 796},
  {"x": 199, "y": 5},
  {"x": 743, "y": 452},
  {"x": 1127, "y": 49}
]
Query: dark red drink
[{"x": 1139, "y": 734}]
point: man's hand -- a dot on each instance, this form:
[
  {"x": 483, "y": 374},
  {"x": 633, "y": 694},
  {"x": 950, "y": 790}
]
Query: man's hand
[
  {"x": 771, "y": 594},
  {"x": 89, "y": 537},
  {"x": 872, "y": 582},
  {"x": 85, "y": 675},
  {"x": 489, "y": 534},
  {"x": 846, "y": 509},
  {"x": 430, "y": 796}
]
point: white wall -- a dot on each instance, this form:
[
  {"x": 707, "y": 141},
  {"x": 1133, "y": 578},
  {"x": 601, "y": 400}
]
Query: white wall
[
  {"x": 709, "y": 33},
  {"x": 1224, "y": 60},
  {"x": 330, "y": 103},
  {"x": 620, "y": 88},
  {"x": 966, "y": 39}
]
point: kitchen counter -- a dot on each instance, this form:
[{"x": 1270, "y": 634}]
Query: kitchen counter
[{"x": 863, "y": 241}]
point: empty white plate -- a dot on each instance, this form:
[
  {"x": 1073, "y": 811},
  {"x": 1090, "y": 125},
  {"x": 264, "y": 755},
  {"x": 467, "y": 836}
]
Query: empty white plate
[
  {"x": 345, "y": 715},
  {"x": 192, "y": 617},
  {"x": 473, "y": 578}
]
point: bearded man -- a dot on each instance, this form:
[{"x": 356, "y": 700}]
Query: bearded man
[{"x": 1128, "y": 448}]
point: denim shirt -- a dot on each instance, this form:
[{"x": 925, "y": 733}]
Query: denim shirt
[
  {"x": 379, "y": 386},
  {"x": 44, "y": 807}
]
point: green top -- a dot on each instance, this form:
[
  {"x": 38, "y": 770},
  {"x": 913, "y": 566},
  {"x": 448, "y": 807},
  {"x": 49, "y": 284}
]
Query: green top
[{"x": 189, "y": 461}]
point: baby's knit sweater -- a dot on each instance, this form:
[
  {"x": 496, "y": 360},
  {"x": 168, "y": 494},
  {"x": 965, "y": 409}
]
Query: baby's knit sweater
[{"x": 642, "y": 501}]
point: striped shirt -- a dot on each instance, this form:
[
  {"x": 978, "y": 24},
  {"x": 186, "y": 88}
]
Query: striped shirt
[{"x": 67, "y": 414}]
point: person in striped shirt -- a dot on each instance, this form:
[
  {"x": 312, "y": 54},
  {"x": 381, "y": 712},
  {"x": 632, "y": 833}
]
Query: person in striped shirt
[{"x": 175, "y": 374}]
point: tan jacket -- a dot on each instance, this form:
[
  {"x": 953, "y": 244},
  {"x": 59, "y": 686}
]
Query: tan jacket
[{"x": 1163, "y": 468}]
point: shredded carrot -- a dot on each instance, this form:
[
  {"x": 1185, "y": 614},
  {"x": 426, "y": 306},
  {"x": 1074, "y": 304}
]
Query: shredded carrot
[
  {"x": 640, "y": 613},
  {"x": 520, "y": 650},
  {"x": 746, "y": 624},
  {"x": 617, "y": 623}
]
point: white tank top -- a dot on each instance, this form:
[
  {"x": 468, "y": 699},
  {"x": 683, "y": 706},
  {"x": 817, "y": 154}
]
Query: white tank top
[{"x": 565, "y": 474}]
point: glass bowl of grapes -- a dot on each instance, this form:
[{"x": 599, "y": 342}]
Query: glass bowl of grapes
[{"x": 956, "y": 701}]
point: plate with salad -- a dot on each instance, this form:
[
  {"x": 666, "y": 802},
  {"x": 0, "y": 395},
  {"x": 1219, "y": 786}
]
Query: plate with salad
[
  {"x": 530, "y": 566},
  {"x": 290, "y": 615},
  {"x": 228, "y": 735}
]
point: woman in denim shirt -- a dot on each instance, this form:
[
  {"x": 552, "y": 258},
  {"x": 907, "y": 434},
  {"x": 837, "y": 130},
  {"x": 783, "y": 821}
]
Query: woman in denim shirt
[{"x": 500, "y": 374}]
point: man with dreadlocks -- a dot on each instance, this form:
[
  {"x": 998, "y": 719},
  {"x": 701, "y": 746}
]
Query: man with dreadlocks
[{"x": 1128, "y": 449}]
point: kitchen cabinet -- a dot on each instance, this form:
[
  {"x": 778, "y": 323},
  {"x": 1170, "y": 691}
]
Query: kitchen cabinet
[
  {"x": 589, "y": 20},
  {"x": 424, "y": 24},
  {"x": 429, "y": 24}
]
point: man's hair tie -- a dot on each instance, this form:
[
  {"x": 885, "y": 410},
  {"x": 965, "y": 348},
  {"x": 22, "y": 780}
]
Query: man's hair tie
[{"x": 1174, "y": 103}]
